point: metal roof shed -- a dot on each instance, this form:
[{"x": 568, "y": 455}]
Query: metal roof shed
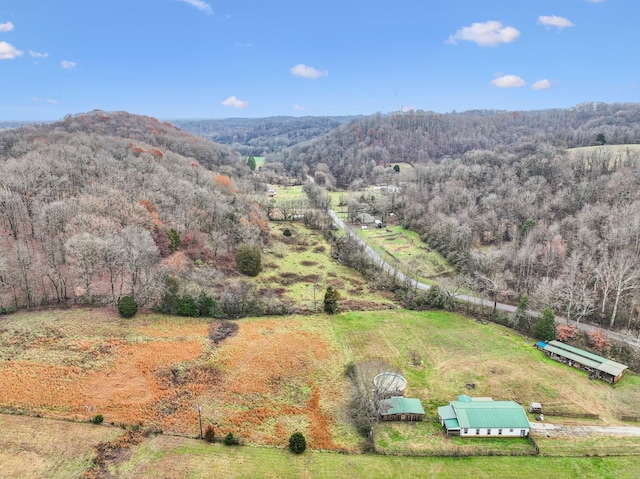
[
  {"x": 597, "y": 366},
  {"x": 399, "y": 408}
]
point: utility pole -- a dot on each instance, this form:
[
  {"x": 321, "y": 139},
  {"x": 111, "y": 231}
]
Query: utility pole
[
  {"x": 200, "y": 419},
  {"x": 315, "y": 287},
  {"x": 314, "y": 297}
]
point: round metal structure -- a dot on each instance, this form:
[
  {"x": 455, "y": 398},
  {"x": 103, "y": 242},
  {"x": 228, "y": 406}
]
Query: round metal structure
[{"x": 389, "y": 384}]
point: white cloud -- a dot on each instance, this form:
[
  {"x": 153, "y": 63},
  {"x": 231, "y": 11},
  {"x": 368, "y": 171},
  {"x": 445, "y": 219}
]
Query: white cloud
[
  {"x": 8, "y": 51},
  {"x": 67, "y": 65},
  {"x": 299, "y": 107},
  {"x": 244, "y": 45},
  {"x": 541, "y": 85},
  {"x": 35, "y": 99},
  {"x": 234, "y": 102},
  {"x": 508, "y": 81},
  {"x": 200, "y": 5},
  {"x": 595, "y": 1},
  {"x": 38, "y": 54},
  {"x": 51, "y": 101},
  {"x": 487, "y": 34},
  {"x": 304, "y": 71},
  {"x": 555, "y": 21},
  {"x": 6, "y": 27}
]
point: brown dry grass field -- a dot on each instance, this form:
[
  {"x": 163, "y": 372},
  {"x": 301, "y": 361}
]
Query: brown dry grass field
[
  {"x": 35, "y": 447},
  {"x": 275, "y": 377}
]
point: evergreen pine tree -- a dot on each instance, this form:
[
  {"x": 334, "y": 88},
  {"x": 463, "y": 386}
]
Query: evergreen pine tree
[
  {"x": 545, "y": 328},
  {"x": 331, "y": 297}
]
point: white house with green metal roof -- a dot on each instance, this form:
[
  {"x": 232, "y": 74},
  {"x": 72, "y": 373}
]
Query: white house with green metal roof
[{"x": 482, "y": 417}]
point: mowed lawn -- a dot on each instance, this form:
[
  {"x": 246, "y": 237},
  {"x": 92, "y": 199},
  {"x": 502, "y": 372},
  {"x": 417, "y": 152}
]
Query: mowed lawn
[
  {"x": 171, "y": 457},
  {"x": 454, "y": 351}
]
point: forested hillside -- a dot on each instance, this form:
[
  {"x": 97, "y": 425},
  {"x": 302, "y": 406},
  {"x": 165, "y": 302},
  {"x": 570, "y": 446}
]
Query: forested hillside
[
  {"x": 102, "y": 205},
  {"x": 504, "y": 199},
  {"x": 352, "y": 152},
  {"x": 261, "y": 136}
]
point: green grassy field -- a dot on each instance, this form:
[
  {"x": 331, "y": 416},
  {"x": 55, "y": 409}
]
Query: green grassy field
[
  {"x": 455, "y": 351},
  {"x": 171, "y": 457},
  {"x": 404, "y": 249},
  {"x": 298, "y": 267},
  {"x": 259, "y": 161},
  {"x": 289, "y": 193}
]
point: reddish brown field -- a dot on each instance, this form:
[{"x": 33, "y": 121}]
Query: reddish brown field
[
  {"x": 280, "y": 377},
  {"x": 273, "y": 378}
]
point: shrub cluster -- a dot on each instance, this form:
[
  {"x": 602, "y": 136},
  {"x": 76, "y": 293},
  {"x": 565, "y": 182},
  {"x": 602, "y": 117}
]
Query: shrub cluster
[
  {"x": 209, "y": 434},
  {"x": 221, "y": 330},
  {"x": 127, "y": 307},
  {"x": 231, "y": 440},
  {"x": 297, "y": 443},
  {"x": 249, "y": 259},
  {"x": 97, "y": 419},
  {"x": 331, "y": 298}
]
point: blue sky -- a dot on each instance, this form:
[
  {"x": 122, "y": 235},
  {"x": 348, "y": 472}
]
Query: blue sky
[{"x": 250, "y": 58}]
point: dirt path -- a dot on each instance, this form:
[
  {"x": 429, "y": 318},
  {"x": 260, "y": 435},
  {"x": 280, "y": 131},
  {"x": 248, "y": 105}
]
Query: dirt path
[{"x": 561, "y": 430}]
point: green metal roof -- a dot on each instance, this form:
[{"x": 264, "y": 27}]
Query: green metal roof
[
  {"x": 584, "y": 357},
  {"x": 490, "y": 414},
  {"x": 574, "y": 357},
  {"x": 446, "y": 412},
  {"x": 613, "y": 368},
  {"x": 451, "y": 424},
  {"x": 571, "y": 349},
  {"x": 401, "y": 405}
]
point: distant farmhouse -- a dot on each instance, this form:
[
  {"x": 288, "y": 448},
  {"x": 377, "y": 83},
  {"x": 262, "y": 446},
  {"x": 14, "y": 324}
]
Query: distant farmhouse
[
  {"x": 597, "y": 366},
  {"x": 365, "y": 218},
  {"x": 482, "y": 417}
]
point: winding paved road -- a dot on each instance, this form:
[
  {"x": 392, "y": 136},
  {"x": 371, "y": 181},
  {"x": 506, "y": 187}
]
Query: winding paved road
[{"x": 631, "y": 341}]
